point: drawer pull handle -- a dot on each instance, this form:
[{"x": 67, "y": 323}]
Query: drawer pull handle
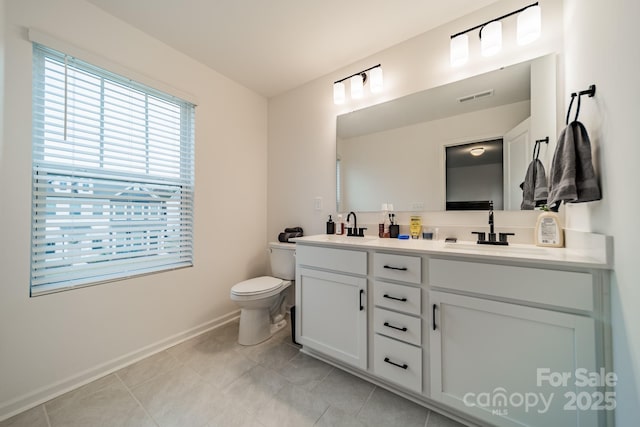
[
  {"x": 403, "y": 366},
  {"x": 388, "y": 325},
  {"x": 395, "y": 268},
  {"x": 433, "y": 318},
  {"x": 361, "y": 305},
  {"x": 394, "y": 298}
]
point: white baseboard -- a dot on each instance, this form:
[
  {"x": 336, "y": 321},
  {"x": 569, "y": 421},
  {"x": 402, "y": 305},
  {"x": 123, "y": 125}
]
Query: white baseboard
[{"x": 48, "y": 392}]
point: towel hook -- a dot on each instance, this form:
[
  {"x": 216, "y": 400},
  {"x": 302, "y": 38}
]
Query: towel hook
[
  {"x": 590, "y": 92},
  {"x": 536, "y": 147}
]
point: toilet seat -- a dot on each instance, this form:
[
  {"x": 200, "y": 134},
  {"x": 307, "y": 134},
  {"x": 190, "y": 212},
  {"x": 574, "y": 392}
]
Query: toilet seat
[{"x": 263, "y": 286}]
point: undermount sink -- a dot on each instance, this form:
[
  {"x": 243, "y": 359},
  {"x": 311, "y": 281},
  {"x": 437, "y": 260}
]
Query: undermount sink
[{"x": 512, "y": 248}]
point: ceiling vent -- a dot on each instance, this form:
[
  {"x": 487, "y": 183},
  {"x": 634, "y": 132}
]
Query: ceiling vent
[{"x": 475, "y": 96}]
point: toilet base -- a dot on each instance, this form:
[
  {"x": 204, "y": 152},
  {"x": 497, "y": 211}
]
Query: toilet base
[{"x": 256, "y": 326}]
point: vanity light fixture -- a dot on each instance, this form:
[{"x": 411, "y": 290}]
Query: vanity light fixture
[
  {"x": 339, "y": 95},
  {"x": 357, "y": 85},
  {"x": 459, "y": 50},
  {"x": 491, "y": 40},
  {"x": 529, "y": 29},
  {"x": 357, "y": 82},
  {"x": 477, "y": 151},
  {"x": 377, "y": 82}
]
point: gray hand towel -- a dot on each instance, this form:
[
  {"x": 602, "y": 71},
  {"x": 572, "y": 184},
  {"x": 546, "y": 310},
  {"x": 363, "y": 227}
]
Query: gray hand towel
[
  {"x": 534, "y": 187},
  {"x": 572, "y": 178}
]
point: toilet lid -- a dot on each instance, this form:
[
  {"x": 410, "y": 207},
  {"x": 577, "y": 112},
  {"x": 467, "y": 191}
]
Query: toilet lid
[{"x": 256, "y": 285}]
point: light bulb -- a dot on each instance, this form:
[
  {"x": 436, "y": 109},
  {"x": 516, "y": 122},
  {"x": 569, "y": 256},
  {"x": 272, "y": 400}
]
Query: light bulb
[
  {"x": 338, "y": 93},
  {"x": 357, "y": 86},
  {"x": 491, "y": 38},
  {"x": 459, "y": 50},
  {"x": 377, "y": 83},
  {"x": 529, "y": 25},
  {"x": 478, "y": 151}
]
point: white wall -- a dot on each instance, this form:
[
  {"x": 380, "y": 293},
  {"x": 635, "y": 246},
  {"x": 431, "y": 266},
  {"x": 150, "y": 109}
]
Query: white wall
[
  {"x": 601, "y": 48},
  {"x": 53, "y": 341},
  {"x": 302, "y": 122}
]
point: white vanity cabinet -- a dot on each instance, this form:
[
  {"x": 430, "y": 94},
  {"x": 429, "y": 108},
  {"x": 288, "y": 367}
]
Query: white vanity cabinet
[
  {"x": 492, "y": 337},
  {"x": 494, "y": 359},
  {"x": 331, "y": 291}
]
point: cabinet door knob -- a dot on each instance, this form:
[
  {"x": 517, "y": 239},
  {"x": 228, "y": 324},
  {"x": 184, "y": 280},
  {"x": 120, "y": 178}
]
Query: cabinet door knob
[
  {"x": 394, "y": 298},
  {"x": 388, "y": 325},
  {"x": 361, "y": 305},
  {"x": 433, "y": 318},
  {"x": 403, "y": 366}
]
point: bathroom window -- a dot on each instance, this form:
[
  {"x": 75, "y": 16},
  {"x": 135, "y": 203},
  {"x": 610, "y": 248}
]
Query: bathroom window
[{"x": 113, "y": 176}]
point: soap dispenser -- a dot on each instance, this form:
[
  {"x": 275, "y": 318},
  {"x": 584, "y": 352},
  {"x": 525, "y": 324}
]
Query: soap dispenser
[
  {"x": 548, "y": 230},
  {"x": 331, "y": 226}
]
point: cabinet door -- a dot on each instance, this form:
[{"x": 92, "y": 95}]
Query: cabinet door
[
  {"x": 503, "y": 362},
  {"x": 333, "y": 318}
]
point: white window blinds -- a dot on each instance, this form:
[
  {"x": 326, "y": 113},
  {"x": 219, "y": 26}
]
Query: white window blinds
[{"x": 113, "y": 176}]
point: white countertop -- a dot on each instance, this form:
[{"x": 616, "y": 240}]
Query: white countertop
[{"x": 574, "y": 257}]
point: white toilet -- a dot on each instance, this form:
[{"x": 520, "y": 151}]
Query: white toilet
[{"x": 262, "y": 299}]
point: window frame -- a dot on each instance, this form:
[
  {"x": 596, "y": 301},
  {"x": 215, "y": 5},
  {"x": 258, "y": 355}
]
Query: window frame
[{"x": 148, "y": 193}]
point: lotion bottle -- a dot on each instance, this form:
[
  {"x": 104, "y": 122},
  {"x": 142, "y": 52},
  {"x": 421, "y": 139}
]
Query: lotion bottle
[
  {"x": 340, "y": 225},
  {"x": 383, "y": 226},
  {"x": 548, "y": 231}
]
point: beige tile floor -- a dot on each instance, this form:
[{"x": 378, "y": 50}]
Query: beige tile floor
[{"x": 212, "y": 381}]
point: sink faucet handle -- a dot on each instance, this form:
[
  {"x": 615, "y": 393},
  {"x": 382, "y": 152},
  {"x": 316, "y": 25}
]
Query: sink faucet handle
[
  {"x": 503, "y": 236},
  {"x": 481, "y": 235}
]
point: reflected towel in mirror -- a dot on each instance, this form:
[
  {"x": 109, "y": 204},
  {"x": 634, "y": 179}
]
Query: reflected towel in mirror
[{"x": 534, "y": 187}]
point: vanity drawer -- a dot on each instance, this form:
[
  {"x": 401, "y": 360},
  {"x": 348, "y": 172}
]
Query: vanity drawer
[
  {"x": 397, "y": 297},
  {"x": 398, "y": 362},
  {"x": 347, "y": 261},
  {"x": 560, "y": 288},
  {"x": 397, "y": 325},
  {"x": 405, "y": 268}
]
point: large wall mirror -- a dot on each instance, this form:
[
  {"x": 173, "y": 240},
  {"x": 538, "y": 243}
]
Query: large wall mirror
[{"x": 399, "y": 151}]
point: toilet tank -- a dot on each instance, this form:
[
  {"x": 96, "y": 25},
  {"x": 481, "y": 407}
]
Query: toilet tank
[{"x": 282, "y": 259}]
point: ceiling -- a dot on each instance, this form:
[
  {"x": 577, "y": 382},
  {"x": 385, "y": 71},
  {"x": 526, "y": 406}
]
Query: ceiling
[{"x": 273, "y": 46}]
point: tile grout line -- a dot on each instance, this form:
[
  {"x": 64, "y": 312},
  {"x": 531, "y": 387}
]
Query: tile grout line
[
  {"x": 426, "y": 422},
  {"x": 46, "y": 415},
  {"x": 321, "y": 415},
  {"x": 366, "y": 401},
  {"x": 153, "y": 420},
  {"x": 155, "y": 376},
  {"x": 325, "y": 377}
]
